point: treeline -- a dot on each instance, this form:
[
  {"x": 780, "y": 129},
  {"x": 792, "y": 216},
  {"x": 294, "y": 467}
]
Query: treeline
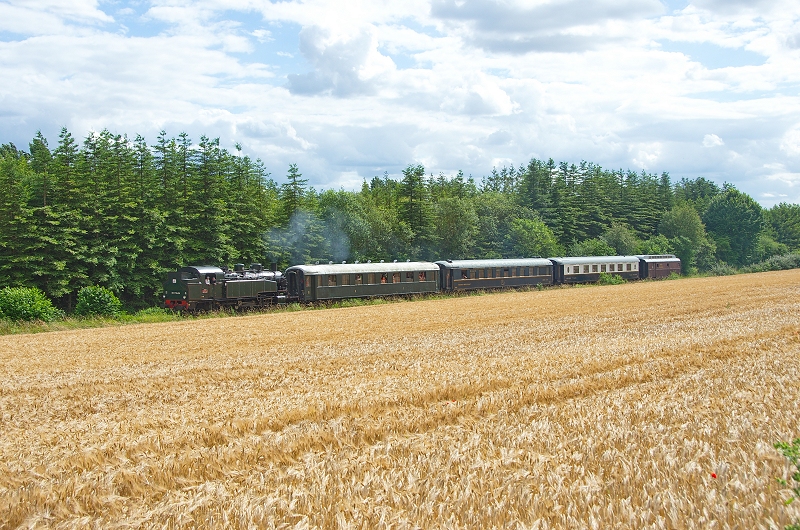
[{"x": 119, "y": 213}]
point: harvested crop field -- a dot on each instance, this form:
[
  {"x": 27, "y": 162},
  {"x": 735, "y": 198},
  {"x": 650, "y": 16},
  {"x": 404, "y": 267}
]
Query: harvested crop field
[{"x": 645, "y": 405}]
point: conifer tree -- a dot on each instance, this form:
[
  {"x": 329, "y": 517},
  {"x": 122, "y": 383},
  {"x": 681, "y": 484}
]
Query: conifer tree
[{"x": 415, "y": 211}]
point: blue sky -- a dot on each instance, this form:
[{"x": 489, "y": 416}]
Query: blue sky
[{"x": 352, "y": 90}]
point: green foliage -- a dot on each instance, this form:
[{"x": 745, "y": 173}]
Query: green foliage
[
  {"x": 292, "y": 193},
  {"x": 591, "y": 247},
  {"x": 792, "y": 453},
  {"x": 775, "y": 263},
  {"x": 735, "y": 221},
  {"x": 784, "y": 220},
  {"x": 682, "y": 221},
  {"x": 655, "y": 245},
  {"x": 26, "y": 304},
  {"x": 531, "y": 237},
  {"x": 685, "y": 230},
  {"x": 150, "y": 311},
  {"x": 684, "y": 249},
  {"x": 766, "y": 247},
  {"x": 610, "y": 279},
  {"x": 697, "y": 193},
  {"x": 722, "y": 269},
  {"x": 622, "y": 239},
  {"x": 455, "y": 227},
  {"x": 95, "y": 300},
  {"x": 706, "y": 255},
  {"x": 415, "y": 211}
]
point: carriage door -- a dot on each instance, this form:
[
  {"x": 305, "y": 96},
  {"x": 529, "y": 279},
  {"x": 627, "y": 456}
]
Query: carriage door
[{"x": 292, "y": 285}]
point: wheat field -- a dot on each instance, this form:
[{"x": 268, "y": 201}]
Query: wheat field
[{"x": 644, "y": 405}]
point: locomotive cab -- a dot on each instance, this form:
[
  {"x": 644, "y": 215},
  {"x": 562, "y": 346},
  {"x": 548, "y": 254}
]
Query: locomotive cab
[{"x": 192, "y": 287}]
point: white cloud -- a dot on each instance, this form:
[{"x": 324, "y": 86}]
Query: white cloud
[
  {"x": 372, "y": 85},
  {"x": 646, "y": 156},
  {"x": 790, "y": 143},
  {"x": 262, "y": 35},
  {"x": 712, "y": 140}
]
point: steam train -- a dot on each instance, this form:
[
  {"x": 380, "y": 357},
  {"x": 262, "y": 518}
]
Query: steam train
[{"x": 199, "y": 288}]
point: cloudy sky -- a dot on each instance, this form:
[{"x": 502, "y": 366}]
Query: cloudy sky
[{"x": 349, "y": 90}]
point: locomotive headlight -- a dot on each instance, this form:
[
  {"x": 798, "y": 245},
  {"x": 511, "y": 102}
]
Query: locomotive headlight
[{"x": 184, "y": 297}]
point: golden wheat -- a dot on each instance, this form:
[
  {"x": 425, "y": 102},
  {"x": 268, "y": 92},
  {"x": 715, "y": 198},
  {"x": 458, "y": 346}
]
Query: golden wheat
[{"x": 602, "y": 407}]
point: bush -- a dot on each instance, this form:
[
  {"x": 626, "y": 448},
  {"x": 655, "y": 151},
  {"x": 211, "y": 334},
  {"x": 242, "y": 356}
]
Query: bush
[
  {"x": 95, "y": 300},
  {"x": 792, "y": 453},
  {"x": 722, "y": 269},
  {"x": 26, "y": 303},
  {"x": 610, "y": 279},
  {"x": 776, "y": 263}
]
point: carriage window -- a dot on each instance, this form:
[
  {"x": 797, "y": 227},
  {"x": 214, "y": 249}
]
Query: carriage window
[
  {"x": 409, "y": 276},
  {"x": 308, "y": 282},
  {"x": 384, "y": 278},
  {"x": 345, "y": 279},
  {"x": 359, "y": 279},
  {"x": 465, "y": 274},
  {"x": 423, "y": 276},
  {"x": 603, "y": 268},
  {"x": 331, "y": 280},
  {"x": 594, "y": 268},
  {"x": 396, "y": 277},
  {"x": 527, "y": 271},
  {"x": 371, "y": 278},
  {"x": 629, "y": 266},
  {"x": 585, "y": 268}
]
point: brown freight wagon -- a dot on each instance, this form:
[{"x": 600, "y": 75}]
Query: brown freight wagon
[{"x": 658, "y": 266}]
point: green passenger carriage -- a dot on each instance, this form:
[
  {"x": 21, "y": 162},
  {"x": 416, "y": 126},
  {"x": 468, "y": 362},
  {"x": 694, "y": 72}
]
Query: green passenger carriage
[
  {"x": 313, "y": 283},
  {"x": 465, "y": 275}
]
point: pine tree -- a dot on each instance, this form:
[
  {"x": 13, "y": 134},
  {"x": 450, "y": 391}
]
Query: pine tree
[
  {"x": 65, "y": 270},
  {"x": 18, "y": 243},
  {"x": 292, "y": 193},
  {"x": 415, "y": 211}
]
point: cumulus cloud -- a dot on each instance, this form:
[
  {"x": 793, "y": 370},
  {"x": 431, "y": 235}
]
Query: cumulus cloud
[
  {"x": 790, "y": 143},
  {"x": 353, "y": 89},
  {"x": 712, "y": 140},
  {"x": 342, "y": 67},
  {"x": 646, "y": 156}
]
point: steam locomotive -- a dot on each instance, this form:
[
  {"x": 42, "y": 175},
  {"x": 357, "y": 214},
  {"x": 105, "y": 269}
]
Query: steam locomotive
[{"x": 198, "y": 288}]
